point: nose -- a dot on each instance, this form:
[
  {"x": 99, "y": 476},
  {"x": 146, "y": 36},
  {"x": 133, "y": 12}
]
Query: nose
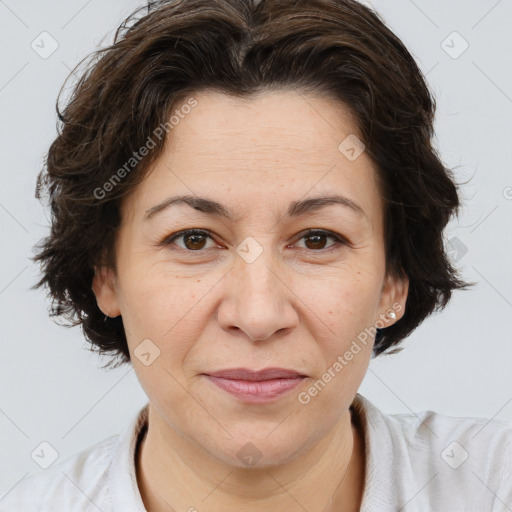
[{"x": 257, "y": 300}]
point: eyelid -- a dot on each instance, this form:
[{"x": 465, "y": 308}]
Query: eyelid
[
  {"x": 326, "y": 232},
  {"x": 339, "y": 239},
  {"x": 169, "y": 239}
]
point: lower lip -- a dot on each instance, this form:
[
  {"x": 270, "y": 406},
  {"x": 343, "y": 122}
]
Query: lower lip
[{"x": 257, "y": 392}]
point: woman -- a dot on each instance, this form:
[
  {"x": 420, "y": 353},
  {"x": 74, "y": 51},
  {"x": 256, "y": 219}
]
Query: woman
[{"x": 247, "y": 207}]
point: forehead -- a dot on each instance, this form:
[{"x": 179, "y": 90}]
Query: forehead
[
  {"x": 265, "y": 124},
  {"x": 272, "y": 147}
]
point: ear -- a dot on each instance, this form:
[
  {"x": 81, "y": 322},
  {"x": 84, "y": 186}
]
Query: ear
[
  {"x": 104, "y": 288},
  {"x": 393, "y": 298}
]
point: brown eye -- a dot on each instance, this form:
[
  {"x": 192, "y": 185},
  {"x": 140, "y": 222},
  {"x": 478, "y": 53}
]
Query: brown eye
[
  {"x": 193, "y": 240},
  {"x": 315, "y": 240}
]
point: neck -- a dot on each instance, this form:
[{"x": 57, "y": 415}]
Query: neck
[{"x": 174, "y": 473}]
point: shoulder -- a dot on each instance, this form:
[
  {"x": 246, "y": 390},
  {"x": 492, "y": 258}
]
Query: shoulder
[
  {"x": 472, "y": 455},
  {"x": 77, "y": 483},
  {"x": 452, "y": 437},
  {"x": 429, "y": 423},
  {"x": 429, "y": 429},
  {"x": 431, "y": 454}
]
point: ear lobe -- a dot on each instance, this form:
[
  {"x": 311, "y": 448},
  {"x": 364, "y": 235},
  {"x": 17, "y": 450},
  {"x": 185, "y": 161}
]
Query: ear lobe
[{"x": 103, "y": 286}]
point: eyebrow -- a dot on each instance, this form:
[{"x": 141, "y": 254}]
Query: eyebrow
[{"x": 295, "y": 209}]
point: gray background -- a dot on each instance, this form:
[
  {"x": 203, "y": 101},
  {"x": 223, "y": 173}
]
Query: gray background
[{"x": 457, "y": 362}]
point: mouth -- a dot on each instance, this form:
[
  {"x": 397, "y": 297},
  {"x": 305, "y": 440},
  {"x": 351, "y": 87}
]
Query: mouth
[
  {"x": 255, "y": 387},
  {"x": 260, "y": 375}
]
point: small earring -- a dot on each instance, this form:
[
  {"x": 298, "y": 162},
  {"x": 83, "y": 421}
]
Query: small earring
[
  {"x": 105, "y": 319},
  {"x": 391, "y": 315}
]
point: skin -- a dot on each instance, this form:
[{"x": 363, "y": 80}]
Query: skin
[{"x": 299, "y": 305}]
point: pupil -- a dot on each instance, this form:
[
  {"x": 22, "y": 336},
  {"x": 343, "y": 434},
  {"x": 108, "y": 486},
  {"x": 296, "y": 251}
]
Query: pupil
[
  {"x": 194, "y": 239},
  {"x": 316, "y": 239}
]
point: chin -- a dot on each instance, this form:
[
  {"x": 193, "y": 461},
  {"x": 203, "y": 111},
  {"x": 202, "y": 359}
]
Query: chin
[{"x": 258, "y": 451}]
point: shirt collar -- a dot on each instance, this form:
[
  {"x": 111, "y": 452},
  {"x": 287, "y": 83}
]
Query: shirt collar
[
  {"x": 124, "y": 491},
  {"x": 125, "y": 494},
  {"x": 379, "y": 493}
]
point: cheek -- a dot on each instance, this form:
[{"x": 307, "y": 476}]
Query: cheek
[
  {"x": 346, "y": 303},
  {"x": 157, "y": 306},
  {"x": 170, "y": 309}
]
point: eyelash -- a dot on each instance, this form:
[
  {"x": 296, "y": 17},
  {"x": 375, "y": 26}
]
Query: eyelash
[{"x": 312, "y": 232}]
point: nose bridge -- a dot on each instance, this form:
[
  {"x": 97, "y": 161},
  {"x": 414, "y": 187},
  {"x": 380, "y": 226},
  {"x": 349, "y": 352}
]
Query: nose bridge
[
  {"x": 260, "y": 304},
  {"x": 256, "y": 269}
]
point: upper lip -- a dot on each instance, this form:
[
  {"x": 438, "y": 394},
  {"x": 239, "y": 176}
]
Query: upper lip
[{"x": 265, "y": 374}]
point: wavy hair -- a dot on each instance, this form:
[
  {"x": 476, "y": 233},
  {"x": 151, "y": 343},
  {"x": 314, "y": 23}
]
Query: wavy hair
[{"x": 166, "y": 51}]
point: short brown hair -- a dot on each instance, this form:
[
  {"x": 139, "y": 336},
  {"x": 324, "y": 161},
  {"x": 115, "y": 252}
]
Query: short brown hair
[{"x": 166, "y": 51}]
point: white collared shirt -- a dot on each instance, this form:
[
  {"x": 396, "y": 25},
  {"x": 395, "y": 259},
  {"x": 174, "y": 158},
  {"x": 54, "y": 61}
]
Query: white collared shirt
[{"x": 421, "y": 462}]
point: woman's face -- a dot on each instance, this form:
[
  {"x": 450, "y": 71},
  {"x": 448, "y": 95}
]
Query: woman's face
[{"x": 254, "y": 289}]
